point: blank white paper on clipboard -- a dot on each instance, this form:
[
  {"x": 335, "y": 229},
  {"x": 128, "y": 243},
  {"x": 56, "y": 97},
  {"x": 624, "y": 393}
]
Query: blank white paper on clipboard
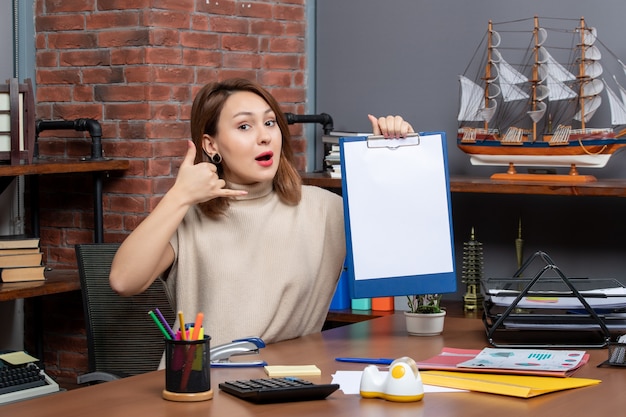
[{"x": 398, "y": 217}]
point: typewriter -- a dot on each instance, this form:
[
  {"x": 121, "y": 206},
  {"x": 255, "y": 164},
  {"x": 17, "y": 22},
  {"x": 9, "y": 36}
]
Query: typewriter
[{"x": 21, "y": 380}]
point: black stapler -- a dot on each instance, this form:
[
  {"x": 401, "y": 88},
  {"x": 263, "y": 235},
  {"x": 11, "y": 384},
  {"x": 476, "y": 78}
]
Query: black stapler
[{"x": 220, "y": 355}]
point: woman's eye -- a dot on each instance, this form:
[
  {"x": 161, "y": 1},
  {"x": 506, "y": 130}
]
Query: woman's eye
[
  {"x": 270, "y": 123},
  {"x": 244, "y": 127}
]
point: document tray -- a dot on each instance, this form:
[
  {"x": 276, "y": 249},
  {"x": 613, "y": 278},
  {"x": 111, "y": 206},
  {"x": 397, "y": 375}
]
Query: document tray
[{"x": 547, "y": 311}]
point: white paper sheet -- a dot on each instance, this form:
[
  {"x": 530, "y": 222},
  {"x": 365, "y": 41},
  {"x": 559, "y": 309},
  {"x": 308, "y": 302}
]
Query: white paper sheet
[
  {"x": 350, "y": 381},
  {"x": 382, "y": 221}
]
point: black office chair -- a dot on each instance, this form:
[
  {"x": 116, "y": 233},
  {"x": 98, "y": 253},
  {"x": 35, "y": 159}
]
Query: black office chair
[{"x": 122, "y": 339}]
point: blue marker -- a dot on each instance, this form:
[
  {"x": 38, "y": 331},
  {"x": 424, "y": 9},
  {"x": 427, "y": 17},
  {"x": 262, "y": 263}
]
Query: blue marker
[{"x": 371, "y": 361}]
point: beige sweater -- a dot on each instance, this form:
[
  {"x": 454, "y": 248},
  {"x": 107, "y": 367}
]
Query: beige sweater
[{"x": 266, "y": 269}]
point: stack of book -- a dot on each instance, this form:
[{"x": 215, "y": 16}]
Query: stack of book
[
  {"x": 20, "y": 259},
  {"x": 332, "y": 154},
  {"x": 332, "y": 162}
]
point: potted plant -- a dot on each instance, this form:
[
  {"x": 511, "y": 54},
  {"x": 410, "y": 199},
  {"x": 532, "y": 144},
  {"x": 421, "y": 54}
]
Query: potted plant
[{"x": 425, "y": 316}]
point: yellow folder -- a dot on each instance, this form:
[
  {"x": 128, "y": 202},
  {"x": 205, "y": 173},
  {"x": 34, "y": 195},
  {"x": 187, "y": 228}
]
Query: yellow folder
[{"x": 514, "y": 385}]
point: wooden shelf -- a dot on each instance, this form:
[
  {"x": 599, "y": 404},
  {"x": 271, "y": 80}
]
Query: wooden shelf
[
  {"x": 604, "y": 188},
  {"x": 57, "y": 281},
  {"x": 46, "y": 165},
  {"x": 63, "y": 166},
  {"x": 320, "y": 179}
]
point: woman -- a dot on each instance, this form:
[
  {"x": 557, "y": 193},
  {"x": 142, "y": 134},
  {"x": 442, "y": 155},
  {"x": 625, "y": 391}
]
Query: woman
[{"x": 238, "y": 237}]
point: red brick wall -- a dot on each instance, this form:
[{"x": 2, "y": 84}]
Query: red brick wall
[{"x": 134, "y": 66}]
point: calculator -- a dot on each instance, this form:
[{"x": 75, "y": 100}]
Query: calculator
[{"x": 278, "y": 390}]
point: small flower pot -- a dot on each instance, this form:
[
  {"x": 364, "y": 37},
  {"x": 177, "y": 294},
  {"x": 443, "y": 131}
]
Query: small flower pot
[{"x": 418, "y": 324}]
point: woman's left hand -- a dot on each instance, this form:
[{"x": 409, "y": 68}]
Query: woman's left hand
[{"x": 391, "y": 126}]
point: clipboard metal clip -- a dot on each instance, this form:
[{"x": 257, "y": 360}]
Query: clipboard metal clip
[{"x": 379, "y": 141}]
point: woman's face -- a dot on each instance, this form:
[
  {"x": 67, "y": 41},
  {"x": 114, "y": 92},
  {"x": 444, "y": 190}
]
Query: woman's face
[{"x": 248, "y": 139}]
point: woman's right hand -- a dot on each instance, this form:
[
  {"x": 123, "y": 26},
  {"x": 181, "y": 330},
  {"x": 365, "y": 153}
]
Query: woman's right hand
[{"x": 197, "y": 183}]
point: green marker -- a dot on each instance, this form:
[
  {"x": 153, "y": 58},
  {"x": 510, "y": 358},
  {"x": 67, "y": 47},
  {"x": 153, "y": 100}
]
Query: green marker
[{"x": 158, "y": 323}]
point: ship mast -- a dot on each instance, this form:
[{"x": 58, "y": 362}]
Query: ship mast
[
  {"x": 488, "y": 68},
  {"x": 582, "y": 76},
  {"x": 535, "y": 75}
]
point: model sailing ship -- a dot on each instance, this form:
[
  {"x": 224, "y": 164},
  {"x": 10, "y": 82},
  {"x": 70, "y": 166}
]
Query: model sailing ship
[{"x": 530, "y": 105}]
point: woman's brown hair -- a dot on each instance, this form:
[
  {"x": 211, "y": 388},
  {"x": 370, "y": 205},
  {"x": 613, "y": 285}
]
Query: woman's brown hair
[{"x": 205, "y": 113}]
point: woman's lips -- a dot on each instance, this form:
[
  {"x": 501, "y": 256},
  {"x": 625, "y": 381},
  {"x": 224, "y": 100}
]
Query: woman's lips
[{"x": 265, "y": 159}]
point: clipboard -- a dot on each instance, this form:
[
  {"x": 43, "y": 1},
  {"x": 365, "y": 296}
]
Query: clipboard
[{"x": 398, "y": 217}]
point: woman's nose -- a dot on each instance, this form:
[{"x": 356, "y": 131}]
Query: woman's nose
[{"x": 265, "y": 135}]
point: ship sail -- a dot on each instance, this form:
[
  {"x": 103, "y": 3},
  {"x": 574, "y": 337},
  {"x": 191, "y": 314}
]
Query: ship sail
[
  {"x": 555, "y": 76},
  {"x": 621, "y": 89},
  {"x": 591, "y": 86},
  {"x": 537, "y": 114},
  {"x": 591, "y": 100},
  {"x": 618, "y": 108},
  {"x": 622, "y": 92},
  {"x": 473, "y": 104},
  {"x": 509, "y": 79}
]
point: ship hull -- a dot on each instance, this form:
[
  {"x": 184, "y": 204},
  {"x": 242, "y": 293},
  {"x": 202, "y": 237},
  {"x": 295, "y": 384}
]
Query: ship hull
[{"x": 587, "y": 154}]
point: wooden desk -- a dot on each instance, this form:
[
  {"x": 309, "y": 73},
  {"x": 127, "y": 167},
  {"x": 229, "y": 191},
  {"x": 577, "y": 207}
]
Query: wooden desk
[{"x": 381, "y": 337}]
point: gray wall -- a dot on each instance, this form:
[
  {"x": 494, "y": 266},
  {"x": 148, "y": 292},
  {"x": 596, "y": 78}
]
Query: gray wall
[
  {"x": 12, "y": 327},
  {"x": 404, "y": 56},
  {"x": 6, "y": 39}
]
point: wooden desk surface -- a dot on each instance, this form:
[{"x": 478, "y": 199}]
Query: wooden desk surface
[
  {"x": 57, "y": 281},
  {"x": 381, "y": 337}
]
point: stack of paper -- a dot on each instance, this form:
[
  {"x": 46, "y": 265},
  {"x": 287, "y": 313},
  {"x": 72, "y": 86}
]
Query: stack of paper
[
  {"x": 597, "y": 298},
  {"x": 555, "y": 363},
  {"x": 516, "y": 372}
]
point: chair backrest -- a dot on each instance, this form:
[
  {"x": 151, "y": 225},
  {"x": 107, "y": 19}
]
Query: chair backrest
[{"x": 122, "y": 338}]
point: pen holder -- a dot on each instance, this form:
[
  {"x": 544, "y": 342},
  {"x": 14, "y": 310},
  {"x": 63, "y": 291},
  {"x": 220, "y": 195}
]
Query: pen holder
[
  {"x": 617, "y": 354},
  {"x": 187, "y": 370}
]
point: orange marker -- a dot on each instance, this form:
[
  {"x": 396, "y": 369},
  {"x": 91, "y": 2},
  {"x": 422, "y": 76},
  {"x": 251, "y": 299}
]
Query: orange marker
[{"x": 197, "y": 326}]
